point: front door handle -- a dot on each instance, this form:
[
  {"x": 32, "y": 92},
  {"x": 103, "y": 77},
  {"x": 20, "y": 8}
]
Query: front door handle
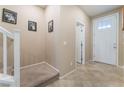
[{"x": 114, "y": 45}]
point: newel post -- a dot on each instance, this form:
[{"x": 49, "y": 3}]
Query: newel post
[{"x": 17, "y": 58}]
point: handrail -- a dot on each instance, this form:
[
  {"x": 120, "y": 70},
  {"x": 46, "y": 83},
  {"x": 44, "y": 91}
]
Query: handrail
[{"x": 4, "y": 31}]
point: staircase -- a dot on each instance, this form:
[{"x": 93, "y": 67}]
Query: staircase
[{"x": 6, "y": 79}]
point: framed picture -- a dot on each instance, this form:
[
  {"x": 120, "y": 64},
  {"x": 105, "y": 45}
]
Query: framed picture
[
  {"x": 9, "y": 16},
  {"x": 50, "y": 26},
  {"x": 32, "y": 26},
  {"x": 123, "y": 19}
]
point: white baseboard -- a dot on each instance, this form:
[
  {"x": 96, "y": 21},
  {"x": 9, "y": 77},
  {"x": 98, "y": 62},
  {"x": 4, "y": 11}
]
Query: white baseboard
[
  {"x": 65, "y": 75},
  {"x": 53, "y": 67},
  {"x": 38, "y": 64},
  {"x": 121, "y": 67},
  {"x": 32, "y": 65},
  {"x": 90, "y": 60}
]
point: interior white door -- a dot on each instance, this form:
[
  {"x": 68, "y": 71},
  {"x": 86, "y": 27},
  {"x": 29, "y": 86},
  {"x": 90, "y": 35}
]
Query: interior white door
[
  {"x": 79, "y": 43},
  {"x": 105, "y": 39}
]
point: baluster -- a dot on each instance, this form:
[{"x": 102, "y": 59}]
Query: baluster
[{"x": 4, "y": 54}]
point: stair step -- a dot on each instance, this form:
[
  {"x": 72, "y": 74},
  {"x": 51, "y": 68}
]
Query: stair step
[
  {"x": 6, "y": 79},
  {"x": 38, "y": 75}
]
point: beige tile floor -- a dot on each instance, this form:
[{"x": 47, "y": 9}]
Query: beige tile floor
[{"x": 93, "y": 75}]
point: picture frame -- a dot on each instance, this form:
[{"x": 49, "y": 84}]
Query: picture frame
[
  {"x": 9, "y": 16},
  {"x": 50, "y": 26},
  {"x": 123, "y": 19},
  {"x": 32, "y": 26}
]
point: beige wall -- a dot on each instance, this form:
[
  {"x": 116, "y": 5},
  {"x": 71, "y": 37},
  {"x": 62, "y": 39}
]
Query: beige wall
[
  {"x": 69, "y": 16},
  {"x": 32, "y": 43},
  {"x": 52, "y": 13},
  {"x": 59, "y": 55}
]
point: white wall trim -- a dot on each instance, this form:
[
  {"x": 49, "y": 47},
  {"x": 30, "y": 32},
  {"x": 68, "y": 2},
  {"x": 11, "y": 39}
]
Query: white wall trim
[
  {"x": 53, "y": 67},
  {"x": 23, "y": 67},
  {"x": 65, "y": 75},
  {"x": 117, "y": 58},
  {"x": 80, "y": 21},
  {"x": 120, "y": 66},
  {"x": 91, "y": 60},
  {"x": 40, "y": 64}
]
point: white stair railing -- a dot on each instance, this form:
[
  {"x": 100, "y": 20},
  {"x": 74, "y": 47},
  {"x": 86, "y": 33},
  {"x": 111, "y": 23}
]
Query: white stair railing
[
  {"x": 4, "y": 54},
  {"x": 4, "y": 77},
  {"x": 17, "y": 58}
]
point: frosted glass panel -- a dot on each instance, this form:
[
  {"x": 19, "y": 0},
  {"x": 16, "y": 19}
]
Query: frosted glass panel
[{"x": 105, "y": 24}]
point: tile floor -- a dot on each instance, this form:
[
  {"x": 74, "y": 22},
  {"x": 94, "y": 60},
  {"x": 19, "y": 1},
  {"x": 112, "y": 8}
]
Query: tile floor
[{"x": 93, "y": 74}]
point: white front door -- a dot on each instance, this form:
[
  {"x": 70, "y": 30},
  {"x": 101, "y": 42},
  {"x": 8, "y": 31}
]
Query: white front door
[
  {"x": 79, "y": 43},
  {"x": 105, "y": 39}
]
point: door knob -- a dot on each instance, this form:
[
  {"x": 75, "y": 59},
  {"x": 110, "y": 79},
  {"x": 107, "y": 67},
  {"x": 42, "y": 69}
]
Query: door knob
[
  {"x": 81, "y": 44},
  {"x": 114, "y": 45}
]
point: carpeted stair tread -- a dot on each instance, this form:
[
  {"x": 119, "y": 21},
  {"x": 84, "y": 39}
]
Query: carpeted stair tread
[{"x": 37, "y": 75}]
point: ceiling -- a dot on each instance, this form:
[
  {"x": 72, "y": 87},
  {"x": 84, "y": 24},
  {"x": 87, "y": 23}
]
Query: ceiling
[{"x": 94, "y": 10}]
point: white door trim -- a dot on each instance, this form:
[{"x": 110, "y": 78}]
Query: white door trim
[
  {"x": 117, "y": 35},
  {"x": 81, "y": 22}
]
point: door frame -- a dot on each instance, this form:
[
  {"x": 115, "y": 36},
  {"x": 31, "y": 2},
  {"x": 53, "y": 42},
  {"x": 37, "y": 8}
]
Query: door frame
[
  {"x": 117, "y": 35},
  {"x": 81, "y": 22}
]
